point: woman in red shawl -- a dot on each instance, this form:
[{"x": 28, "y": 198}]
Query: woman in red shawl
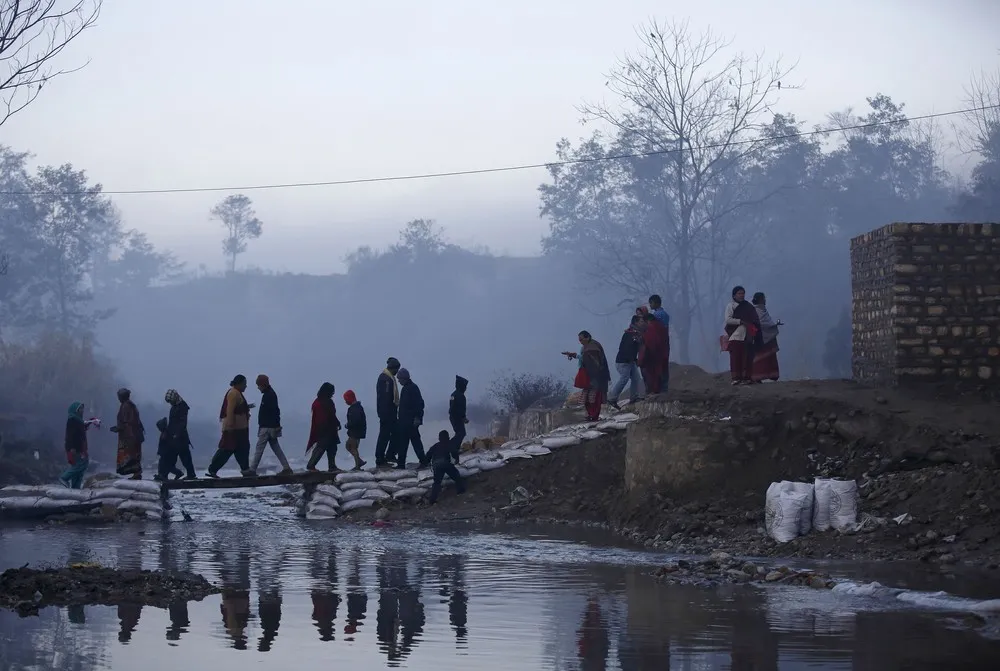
[
  {"x": 654, "y": 354},
  {"x": 324, "y": 432},
  {"x": 593, "y": 374}
]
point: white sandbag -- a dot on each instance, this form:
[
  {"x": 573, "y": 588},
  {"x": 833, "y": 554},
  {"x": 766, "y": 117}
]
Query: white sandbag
[
  {"x": 108, "y": 501},
  {"x": 354, "y": 476},
  {"x": 806, "y": 514},
  {"x": 422, "y": 474},
  {"x": 541, "y": 451},
  {"x": 19, "y": 502},
  {"x": 783, "y": 512},
  {"x": 140, "y": 506},
  {"x": 467, "y": 472},
  {"x": 390, "y": 487},
  {"x": 19, "y": 491},
  {"x": 470, "y": 463},
  {"x": 821, "y": 504},
  {"x": 147, "y": 486},
  {"x": 592, "y": 434},
  {"x": 843, "y": 504},
  {"x": 131, "y": 494},
  {"x": 409, "y": 492},
  {"x": 376, "y": 494},
  {"x": 351, "y": 495},
  {"x": 330, "y": 490},
  {"x": 514, "y": 454},
  {"x": 408, "y": 482},
  {"x": 392, "y": 476},
  {"x": 515, "y": 444},
  {"x": 46, "y": 502},
  {"x": 553, "y": 443},
  {"x": 355, "y": 505},
  {"x": 348, "y": 486},
  {"x": 320, "y": 512},
  {"x": 626, "y": 417},
  {"x": 320, "y": 498},
  {"x": 59, "y": 492},
  {"x": 608, "y": 425},
  {"x": 492, "y": 465}
]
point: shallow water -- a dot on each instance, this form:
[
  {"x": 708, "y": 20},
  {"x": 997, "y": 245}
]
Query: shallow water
[{"x": 333, "y": 595}]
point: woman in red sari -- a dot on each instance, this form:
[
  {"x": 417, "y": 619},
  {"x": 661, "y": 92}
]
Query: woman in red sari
[
  {"x": 765, "y": 358},
  {"x": 655, "y": 353},
  {"x": 742, "y": 336},
  {"x": 131, "y": 435},
  {"x": 593, "y": 375}
]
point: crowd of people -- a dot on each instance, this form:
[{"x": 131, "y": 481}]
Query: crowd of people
[{"x": 399, "y": 405}]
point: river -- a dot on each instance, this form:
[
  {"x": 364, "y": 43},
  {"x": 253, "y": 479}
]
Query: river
[{"x": 321, "y": 594}]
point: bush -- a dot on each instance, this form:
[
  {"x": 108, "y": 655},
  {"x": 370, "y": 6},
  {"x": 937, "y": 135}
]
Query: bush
[{"x": 518, "y": 392}]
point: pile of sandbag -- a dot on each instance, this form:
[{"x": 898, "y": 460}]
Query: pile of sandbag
[
  {"x": 361, "y": 489},
  {"x": 140, "y": 496},
  {"x": 793, "y": 509}
]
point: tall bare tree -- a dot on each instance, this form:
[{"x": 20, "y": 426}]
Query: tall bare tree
[
  {"x": 695, "y": 110},
  {"x": 241, "y": 223},
  {"x": 32, "y": 35}
]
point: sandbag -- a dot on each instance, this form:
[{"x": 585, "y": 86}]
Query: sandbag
[
  {"x": 390, "y": 487},
  {"x": 625, "y": 417},
  {"x": 375, "y": 494},
  {"x": 467, "y": 472},
  {"x": 351, "y": 495},
  {"x": 783, "y": 511},
  {"x": 821, "y": 504},
  {"x": 131, "y": 494},
  {"x": 330, "y": 490},
  {"x": 592, "y": 434},
  {"x": 806, "y": 514},
  {"x": 409, "y": 492},
  {"x": 354, "y": 476},
  {"x": 491, "y": 465},
  {"x": 348, "y": 486},
  {"x": 514, "y": 454},
  {"x": 143, "y": 506},
  {"x": 69, "y": 495},
  {"x": 843, "y": 504},
  {"x": 147, "y": 486},
  {"x": 315, "y": 511},
  {"x": 541, "y": 451},
  {"x": 469, "y": 463},
  {"x": 392, "y": 476},
  {"x": 18, "y": 491},
  {"x": 422, "y": 474},
  {"x": 408, "y": 482},
  {"x": 553, "y": 443},
  {"x": 321, "y": 498},
  {"x": 19, "y": 502},
  {"x": 355, "y": 505},
  {"x": 514, "y": 444},
  {"x": 108, "y": 501},
  {"x": 46, "y": 502}
]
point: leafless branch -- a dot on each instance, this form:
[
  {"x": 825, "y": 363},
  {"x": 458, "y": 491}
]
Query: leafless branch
[
  {"x": 32, "y": 35},
  {"x": 983, "y": 95}
]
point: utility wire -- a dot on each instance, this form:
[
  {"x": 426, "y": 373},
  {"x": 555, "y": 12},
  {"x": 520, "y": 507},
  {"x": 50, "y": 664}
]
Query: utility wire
[{"x": 511, "y": 168}]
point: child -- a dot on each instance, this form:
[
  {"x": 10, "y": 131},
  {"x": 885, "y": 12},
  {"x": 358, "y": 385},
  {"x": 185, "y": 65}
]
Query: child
[
  {"x": 167, "y": 453},
  {"x": 440, "y": 456},
  {"x": 357, "y": 427}
]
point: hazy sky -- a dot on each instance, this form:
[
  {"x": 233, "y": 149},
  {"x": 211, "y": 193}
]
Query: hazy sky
[{"x": 196, "y": 93}]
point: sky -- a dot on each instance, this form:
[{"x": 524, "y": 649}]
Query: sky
[{"x": 192, "y": 94}]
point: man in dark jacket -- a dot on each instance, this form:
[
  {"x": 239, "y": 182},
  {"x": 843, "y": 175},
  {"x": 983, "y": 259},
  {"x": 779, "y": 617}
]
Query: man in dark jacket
[
  {"x": 357, "y": 427},
  {"x": 457, "y": 411},
  {"x": 411, "y": 416},
  {"x": 440, "y": 455},
  {"x": 269, "y": 426},
  {"x": 627, "y": 363},
  {"x": 387, "y": 407}
]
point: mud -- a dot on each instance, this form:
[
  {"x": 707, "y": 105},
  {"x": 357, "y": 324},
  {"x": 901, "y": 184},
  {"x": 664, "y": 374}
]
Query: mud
[
  {"x": 723, "y": 568},
  {"x": 27, "y": 590}
]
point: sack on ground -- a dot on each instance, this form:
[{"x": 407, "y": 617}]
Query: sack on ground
[
  {"x": 19, "y": 502},
  {"x": 321, "y": 498},
  {"x": 843, "y": 504},
  {"x": 317, "y": 511},
  {"x": 555, "y": 442},
  {"x": 351, "y": 495},
  {"x": 348, "y": 486},
  {"x": 467, "y": 472},
  {"x": 330, "y": 490},
  {"x": 409, "y": 493},
  {"x": 147, "y": 486},
  {"x": 375, "y": 494},
  {"x": 491, "y": 465},
  {"x": 783, "y": 512},
  {"x": 806, "y": 514},
  {"x": 626, "y": 417},
  {"x": 355, "y": 505},
  {"x": 69, "y": 495},
  {"x": 408, "y": 482},
  {"x": 392, "y": 476},
  {"x": 592, "y": 434},
  {"x": 541, "y": 451},
  {"x": 20, "y": 491},
  {"x": 514, "y": 454},
  {"x": 821, "y": 504},
  {"x": 387, "y": 486},
  {"x": 140, "y": 506},
  {"x": 354, "y": 476}
]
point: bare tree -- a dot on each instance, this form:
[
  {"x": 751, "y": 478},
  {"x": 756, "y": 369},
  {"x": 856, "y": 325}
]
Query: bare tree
[
  {"x": 696, "y": 113},
  {"x": 982, "y": 95},
  {"x": 32, "y": 34},
  {"x": 241, "y": 223}
]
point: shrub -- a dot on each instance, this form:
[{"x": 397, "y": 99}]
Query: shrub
[{"x": 518, "y": 392}]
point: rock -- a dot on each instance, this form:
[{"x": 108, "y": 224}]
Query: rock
[
  {"x": 817, "y": 582},
  {"x": 739, "y": 576},
  {"x": 750, "y": 569},
  {"x": 931, "y": 535},
  {"x": 382, "y": 514},
  {"x": 774, "y": 576},
  {"x": 720, "y": 556},
  {"x": 948, "y": 559}
]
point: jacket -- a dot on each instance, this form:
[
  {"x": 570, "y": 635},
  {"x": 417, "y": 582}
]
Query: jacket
[
  {"x": 411, "y": 404},
  {"x": 628, "y": 348},
  {"x": 269, "y": 414},
  {"x": 357, "y": 422},
  {"x": 76, "y": 438},
  {"x": 442, "y": 453},
  {"x": 325, "y": 426},
  {"x": 385, "y": 397},
  {"x": 177, "y": 425},
  {"x": 457, "y": 404}
]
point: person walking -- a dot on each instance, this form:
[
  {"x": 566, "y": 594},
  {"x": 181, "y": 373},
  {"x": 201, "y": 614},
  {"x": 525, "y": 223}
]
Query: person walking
[
  {"x": 357, "y": 427},
  {"x": 440, "y": 456},
  {"x": 268, "y": 427},
  {"x": 131, "y": 435},
  {"x": 235, "y": 419},
  {"x": 457, "y": 407},
  {"x": 77, "y": 454},
  {"x": 411, "y": 416},
  {"x": 167, "y": 462},
  {"x": 593, "y": 374},
  {"x": 627, "y": 364},
  {"x": 177, "y": 429},
  {"x": 324, "y": 431},
  {"x": 387, "y": 408}
]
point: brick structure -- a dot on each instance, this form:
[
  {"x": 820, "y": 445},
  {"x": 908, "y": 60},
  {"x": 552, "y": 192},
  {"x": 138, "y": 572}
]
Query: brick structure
[{"x": 926, "y": 304}]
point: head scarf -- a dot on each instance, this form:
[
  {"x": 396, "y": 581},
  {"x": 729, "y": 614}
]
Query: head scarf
[
  {"x": 349, "y": 397},
  {"x": 124, "y": 393},
  {"x": 172, "y": 397},
  {"x": 76, "y": 411},
  {"x": 263, "y": 380}
]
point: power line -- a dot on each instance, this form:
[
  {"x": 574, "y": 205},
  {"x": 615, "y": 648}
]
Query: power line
[{"x": 510, "y": 168}]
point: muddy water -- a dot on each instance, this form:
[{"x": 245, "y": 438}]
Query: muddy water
[{"x": 318, "y": 595}]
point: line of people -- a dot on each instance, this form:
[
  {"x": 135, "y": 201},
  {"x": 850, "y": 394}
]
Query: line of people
[
  {"x": 400, "y": 407},
  {"x": 750, "y": 336}
]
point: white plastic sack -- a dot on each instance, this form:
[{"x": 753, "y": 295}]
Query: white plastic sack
[
  {"x": 409, "y": 492},
  {"x": 143, "y": 506},
  {"x": 390, "y": 487},
  {"x": 316, "y": 511},
  {"x": 19, "y": 502},
  {"x": 491, "y": 465},
  {"x": 470, "y": 463},
  {"x": 541, "y": 451},
  {"x": 392, "y": 476},
  {"x": 806, "y": 489},
  {"x": 18, "y": 491},
  {"x": 108, "y": 501},
  {"x": 330, "y": 490},
  {"x": 69, "y": 495},
  {"x": 375, "y": 495},
  {"x": 843, "y": 503},
  {"x": 354, "y": 476},
  {"x": 348, "y": 486},
  {"x": 592, "y": 434},
  {"x": 320, "y": 498},
  {"x": 130, "y": 494},
  {"x": 626, "y": 417},
  {"x": 355, "y": 505},
  {"x": 467, "y": 472},
  {"x": 351, "y": 495},
  {"x": 46, "y": 502},
  {"x": 783, "y": 512},
  {"x": 515, "y": 444},
  {"x": 422, "y": 474},
  {"x": 514, "y": 454},
  {"x": 407, "y": 482},
  {"x": 556, "y": 442},
  {"x": 821, "y": 504},
  {"x": 147, "y": 486}
]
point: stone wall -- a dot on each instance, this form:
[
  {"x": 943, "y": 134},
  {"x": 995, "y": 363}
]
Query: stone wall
[{"x": 926, "y": 304}]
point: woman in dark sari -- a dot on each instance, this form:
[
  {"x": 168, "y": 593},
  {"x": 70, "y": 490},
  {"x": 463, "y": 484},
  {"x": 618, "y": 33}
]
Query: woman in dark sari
[
  {"x": 742, "y": 336},
  {"x": 131, "y": 435},
  {"x": 594, "y": 374},
  {"x": 765, "y": 358}
]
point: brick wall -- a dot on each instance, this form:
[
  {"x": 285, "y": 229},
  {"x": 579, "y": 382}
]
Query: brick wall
[{"x": 926, "y": 304}]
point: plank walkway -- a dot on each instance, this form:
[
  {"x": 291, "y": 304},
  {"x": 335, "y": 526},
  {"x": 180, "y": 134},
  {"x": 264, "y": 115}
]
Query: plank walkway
[{"x": 258, "y": 481}]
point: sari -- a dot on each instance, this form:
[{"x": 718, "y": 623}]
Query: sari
[
  {"x": 765, "y": 357},
  {"x": 654, "y": 356},
  {"x": 593, "y": 360},
  {"x": 741, "y": 349},
  {"x": 130, "y": 439}
]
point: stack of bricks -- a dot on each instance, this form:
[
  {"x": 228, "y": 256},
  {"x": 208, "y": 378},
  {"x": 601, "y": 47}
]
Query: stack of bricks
[{"x": 926, "y": 304}]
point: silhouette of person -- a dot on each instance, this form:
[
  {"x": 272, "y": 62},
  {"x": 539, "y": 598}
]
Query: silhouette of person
[
  {"x": 357, "y": 598},
  {"x": 128, "y": 617}
]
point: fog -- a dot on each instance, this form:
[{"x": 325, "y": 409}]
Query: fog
[{"x": 726, "y": 148}]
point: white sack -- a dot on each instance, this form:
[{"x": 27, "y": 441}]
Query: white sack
[
  {"x": 467, "y": 472},
  {"x": 821, "y": 504},
  {"x": 806, "y": 489},
  {"x": 390, "y": 487},
  {"x": 843, "y": 503},
  {"x": 351, "y": 495},
  {"x": 783, "y": 512},
  {"x": 592, "y": 434},
  {"x": 375, "y": 495},
  {"x": 491, "y": 465},
  {"x": 354, "y": 476},
  {"x": 408, "y": 482},
  {"x": 69, "y": 495},
  {"x": 422, "y": 474},
  {"x": 541, "y": 451},
  {"x": 348, "y": 486},
  {"x": 626, "y": 417},
  {"x": 355, "y": 505},
  {"x": 320, "y": 512},
  {"x": 140, "y": 506},
  {"x": 470, "y": 463},
  {"x": 109, "y": 501},
  {"x": 19, "y": 502},
  {"x": 412, "y": 491},
  {"x": 392, "y": 475},
  {"x": 330, "y": 490},
  {"x": 18, "y": 491},
  {"x": 146, "y": 486},
  {"x": 514, "y": 454},
  {"x": 319, "y": 498},
  {"x": 514, "y": 444},
  {"x": 553, "y": 443},
  {"x": 130, "y": 494}
]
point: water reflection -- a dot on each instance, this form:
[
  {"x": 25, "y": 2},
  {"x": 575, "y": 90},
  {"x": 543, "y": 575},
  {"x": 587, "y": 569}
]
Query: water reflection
[{"x": 453, "y": 603}]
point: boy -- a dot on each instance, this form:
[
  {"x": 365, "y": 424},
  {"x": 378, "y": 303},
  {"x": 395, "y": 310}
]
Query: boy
[
  {"x": 440, "y": 456},
  {"x": 357, "y": 427}
]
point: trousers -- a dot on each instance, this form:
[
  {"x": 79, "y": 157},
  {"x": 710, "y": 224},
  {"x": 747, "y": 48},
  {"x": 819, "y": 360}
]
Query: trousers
[
  {"x": 265, "y": 437},
  {"x": 386, "y": 432},
  {"x": 442, "y": 469}
]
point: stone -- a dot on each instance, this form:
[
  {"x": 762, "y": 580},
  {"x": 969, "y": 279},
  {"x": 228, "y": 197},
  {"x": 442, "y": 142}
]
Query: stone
[
  {"x": 774, "y": 576},
  {"x": 948, "y": 559}
]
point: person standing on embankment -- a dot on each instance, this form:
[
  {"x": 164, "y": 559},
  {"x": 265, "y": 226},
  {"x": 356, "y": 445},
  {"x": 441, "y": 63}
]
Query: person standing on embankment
[
  {"x": 440, "y": 456},
  {"x": 411, "y": 417},
  {"x": 357, "y": 427},
  {"x": 269, "y": 427},
  {"x": 457, "y": 410},
  {"x": 593, "y": 374},
  {"x": 387, "y": 407},
  {"x": 627, "y": 364},
  {"x": 656, "y": 309},
  {"x": 76, "y": 446},
  {"x": 235, "y": 419},
  {"x": 131, "y": 435}
]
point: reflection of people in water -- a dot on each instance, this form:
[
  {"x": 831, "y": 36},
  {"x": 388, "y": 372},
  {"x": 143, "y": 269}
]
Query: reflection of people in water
[
  {"x": 594, "y": 642},
  {"x": 179, "y": 620},
  {"x": 452, "y": 575},
  {"x": 269, "y": 610},
  {"x": 235, "y": 607},
  {"x": 399, "y": 608},
  {"x": 128, "y": 617},
  {"x": 325, "y": 600},
  {"x": 357, "y": 598},
  {"x": 76, "y": 614}
]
